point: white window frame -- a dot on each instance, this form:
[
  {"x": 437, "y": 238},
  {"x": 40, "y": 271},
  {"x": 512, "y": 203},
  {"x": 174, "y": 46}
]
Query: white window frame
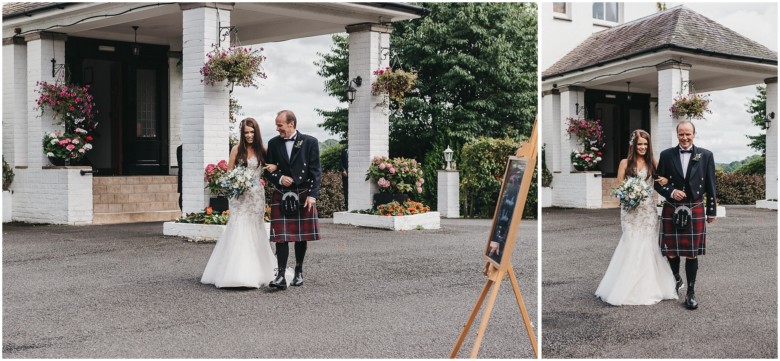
[
  {"x": 563, "y": 16},
  {"x": 608, "y": 23}
]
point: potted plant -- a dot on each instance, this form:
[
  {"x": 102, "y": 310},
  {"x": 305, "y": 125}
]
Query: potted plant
[
  {"x": 219, "y": 203},
  {"x": 394, "y": 84},
  {"x": 64, "y": 148},
  {"x": 396, "y": 178},
  {"x": 691, "y": 106},
  {"x": 237, "y": 65},
  {"x": 590, "y": 136}
]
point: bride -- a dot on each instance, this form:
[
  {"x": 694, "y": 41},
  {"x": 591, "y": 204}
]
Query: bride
[
  {"x": 243, "y": 256},
  {"x": 638, "y": 274}
]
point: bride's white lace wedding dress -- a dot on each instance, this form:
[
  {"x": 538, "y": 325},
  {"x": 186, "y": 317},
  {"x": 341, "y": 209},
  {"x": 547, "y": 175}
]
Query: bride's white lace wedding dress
[
  {"x": 638, "y": 274},
  {"x": 243, "y": 256}
]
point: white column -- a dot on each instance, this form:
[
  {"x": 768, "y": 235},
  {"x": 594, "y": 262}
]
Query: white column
[
  {"x": 672, "y": 82},
  {"x": 369, "y": 125},
  {"x": 174, "y": 104},
  {"x": 204, "y": 108},
  {"x": 449, "y": 193},
  {"x": 14, "y": 101},
  {"x": 551, "y": 112},
  {"x": 41, "y": 49},
  {"x": 654, "y": 125},
  {"x": 572, "y": 101},
  {"x": 771, "y": 139}
]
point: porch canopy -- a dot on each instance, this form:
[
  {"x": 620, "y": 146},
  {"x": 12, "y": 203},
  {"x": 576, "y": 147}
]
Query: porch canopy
[
  {"x": 161, "y": 23},
  {"x": 720, "y": 58}
]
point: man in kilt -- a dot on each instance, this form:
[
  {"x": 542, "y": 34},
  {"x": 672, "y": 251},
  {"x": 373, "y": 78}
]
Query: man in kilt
[
  {"x": 296, "y": 189},
  {"x": 683, "y": 232}
]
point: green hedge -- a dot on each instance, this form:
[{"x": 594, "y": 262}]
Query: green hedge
[
  {"x": 735, "y": 188},
  {"x": 482, "y": 166},
  {"x": 754, "y": 166},
  {"x": 330, "y": 157}
]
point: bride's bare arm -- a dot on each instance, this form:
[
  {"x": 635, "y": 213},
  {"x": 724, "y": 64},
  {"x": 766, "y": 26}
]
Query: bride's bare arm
[
  {"x": 621, "y": 176},
  {"x": 232, "y": 161}
]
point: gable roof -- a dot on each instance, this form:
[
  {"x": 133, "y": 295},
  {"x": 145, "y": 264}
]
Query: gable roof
[
  {"x": 678, "y": 29},
  {"x": 21, "y": 8}
]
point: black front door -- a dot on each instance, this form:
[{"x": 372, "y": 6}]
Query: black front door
[
  {"x": 619, "y": 117},
  {"x": 131, "y": 95}
]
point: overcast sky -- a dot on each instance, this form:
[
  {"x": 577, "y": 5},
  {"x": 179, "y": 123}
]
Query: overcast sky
[{"x": 293, "y": 83}]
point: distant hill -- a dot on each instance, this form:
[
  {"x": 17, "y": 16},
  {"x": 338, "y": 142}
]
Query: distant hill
[
  {"x": 730, "y": 167},
  {"x": 327, "y": 144}
]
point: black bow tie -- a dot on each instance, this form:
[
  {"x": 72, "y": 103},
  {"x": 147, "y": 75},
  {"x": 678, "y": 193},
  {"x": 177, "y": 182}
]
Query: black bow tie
[
  {"x": 683, "y": 151},
  {"x": 289, "y": 140}
]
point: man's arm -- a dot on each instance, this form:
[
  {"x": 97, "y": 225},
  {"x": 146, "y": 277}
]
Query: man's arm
[
  {"x": 314, "y": 172},
  {"x": 709, "y": 187},
  {"x": 275, "y": 176},
  {"x": 667, "y": 189}
]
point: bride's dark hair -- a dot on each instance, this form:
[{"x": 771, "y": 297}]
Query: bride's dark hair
[
  {"x": 631, "y": 170},
  {"x": 257, "y": 144}
]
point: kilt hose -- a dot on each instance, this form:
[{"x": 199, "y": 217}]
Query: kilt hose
[
  {"x": 689, "y": 242},
  {"x": 302, "y": 226}
]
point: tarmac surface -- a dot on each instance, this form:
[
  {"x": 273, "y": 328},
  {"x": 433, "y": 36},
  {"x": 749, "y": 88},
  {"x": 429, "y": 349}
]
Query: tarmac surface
[
  {"x": 736, "y": 288},
  {"x": 127, "y": 291}
]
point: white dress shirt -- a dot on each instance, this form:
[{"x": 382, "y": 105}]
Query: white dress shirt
[{"x": 685, "y": 158}]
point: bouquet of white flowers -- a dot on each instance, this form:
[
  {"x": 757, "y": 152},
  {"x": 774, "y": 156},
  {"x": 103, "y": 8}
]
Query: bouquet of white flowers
[
  {"x": 632, "y": 192},
  {"x": 237, "y": 181}
]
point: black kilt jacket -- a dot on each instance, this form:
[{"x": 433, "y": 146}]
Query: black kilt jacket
[
  {"x": 303, "y": 166},
  {"x": 698, "y": 182}
]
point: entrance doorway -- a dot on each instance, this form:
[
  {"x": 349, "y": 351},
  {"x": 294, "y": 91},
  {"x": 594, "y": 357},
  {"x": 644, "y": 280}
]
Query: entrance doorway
[
  {"x": 619, "y": 116},
  {"x": 131, "y": 96}
]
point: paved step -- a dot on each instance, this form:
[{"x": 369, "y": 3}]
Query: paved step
[
  {"x": 607, "y": 199},
  {"x": 134, "y": 199}
]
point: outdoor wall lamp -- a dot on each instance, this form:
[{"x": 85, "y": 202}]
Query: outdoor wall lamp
[
  {"x": 448, "y": 157},
  {"x": 136, "y": 47},
  {"x": 628, "y": 97},
  {"x": 358, "y": 81},
  {"x": 768, "y": 119}
]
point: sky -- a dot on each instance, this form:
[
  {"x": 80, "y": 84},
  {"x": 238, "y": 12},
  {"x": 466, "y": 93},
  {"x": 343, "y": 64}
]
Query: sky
[{"x": 293, "y": 83}]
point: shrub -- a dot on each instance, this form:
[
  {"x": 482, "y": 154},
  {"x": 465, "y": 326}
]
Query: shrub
[
  {"x": 330, "y": 157},
  {"x": 547, "y": 176},
  {"x": 754, "y": 166},
  {"x": 396, "y": 175},
  {"x": 8, "y": 175},
  {"x": 483, "y": 163},
  {"x": 331, "y": 195},
  {"x": 733, "y": 188}
]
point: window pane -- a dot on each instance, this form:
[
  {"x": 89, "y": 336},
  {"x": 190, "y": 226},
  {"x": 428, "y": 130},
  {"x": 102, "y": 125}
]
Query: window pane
[
  {"x": 598, "y": 11},
  {"x": 146, "y": 95},
  {"x": 612, "y": 12},
  {"x": 559, "y": 8}
]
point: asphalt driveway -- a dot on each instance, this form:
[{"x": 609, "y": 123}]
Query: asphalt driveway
[
  {"x": 126, "y": 291},
  {"x": 736, "y": 287}
]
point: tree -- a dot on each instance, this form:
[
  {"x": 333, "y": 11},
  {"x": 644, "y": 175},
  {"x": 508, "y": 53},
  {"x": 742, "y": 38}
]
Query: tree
[
  {"x": 476, "y": 66},
  {"x": 757, "y": 107}
]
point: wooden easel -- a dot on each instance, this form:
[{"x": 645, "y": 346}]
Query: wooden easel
[{"x": 496, "y": 272}]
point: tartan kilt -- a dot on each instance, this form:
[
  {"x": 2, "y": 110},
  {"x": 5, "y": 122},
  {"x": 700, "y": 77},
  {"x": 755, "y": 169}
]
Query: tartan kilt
[
  {"x": 303, "y": 226},
  {"x": 690, "y": 242}
]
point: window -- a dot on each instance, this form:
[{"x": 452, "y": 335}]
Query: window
[
  {"x": 606, "y": 11},
  {"x": 562, "y": 11},
  {"x": 146, "y": 95}
]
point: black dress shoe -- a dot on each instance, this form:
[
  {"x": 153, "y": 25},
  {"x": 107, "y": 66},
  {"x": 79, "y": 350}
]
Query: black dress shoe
[
  {"x": 690, "y": 301},
  {"x": 298, "y": 279},
  {"x": 279, "y": 282}
]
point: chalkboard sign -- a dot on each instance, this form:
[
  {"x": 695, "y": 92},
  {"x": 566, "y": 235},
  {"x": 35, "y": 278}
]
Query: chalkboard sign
[{"x": 505, "y": 209}]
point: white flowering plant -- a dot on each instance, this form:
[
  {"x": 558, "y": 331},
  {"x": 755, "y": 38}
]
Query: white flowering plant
[
  {"x": 632, "y": 192},
  {"x": 237, "y": 181},
  {"x": 68, "y": 146}
]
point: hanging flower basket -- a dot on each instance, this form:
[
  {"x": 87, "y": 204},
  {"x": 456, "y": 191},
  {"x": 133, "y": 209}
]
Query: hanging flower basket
[
  {"x": 691, "y": 106},
  {"x": 72, "y": 105},
  {"x": 238, "y": 65},
  {"x": 590, "y": 136},
  {"x": 394, "y": 83}
]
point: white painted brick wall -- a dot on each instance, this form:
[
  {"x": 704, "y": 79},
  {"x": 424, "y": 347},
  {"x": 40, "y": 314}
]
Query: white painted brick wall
[
  {"x": 39, "y": 55},
  {"x": 204, "y": 108},
  {"x": 448, "y": 201},
  {"x": 15, "y": 104},
  {"x": 577, "y": 190},
  {"x": 55, "y": 196},
  {"x": 569, "y": 99},
  {"x": 670, "y": 80},
  {"x": 771, "y": 140},
  {"x": 174, "y": 101},
  {"x": 369, "y": 126}
]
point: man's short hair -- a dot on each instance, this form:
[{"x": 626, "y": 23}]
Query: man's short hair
[{"x": 289, "y": 117}]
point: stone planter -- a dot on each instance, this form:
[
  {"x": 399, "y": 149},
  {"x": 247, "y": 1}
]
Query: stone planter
[
  {"x": 199, "y": 232},
  {"x": 766, "y": 204},
  {"x": 430, "y": 220},
  {"x": 7, "y": 207}
]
